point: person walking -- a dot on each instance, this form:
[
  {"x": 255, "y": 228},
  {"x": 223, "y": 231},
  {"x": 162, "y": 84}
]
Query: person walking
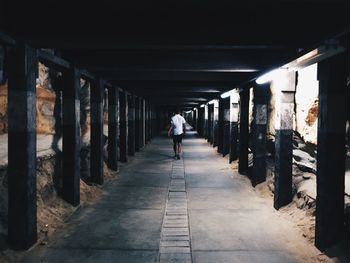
[{"x": 177, "y": 130}]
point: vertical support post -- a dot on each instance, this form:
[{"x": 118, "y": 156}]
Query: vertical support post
[
  {"x": 215, "y": 123},
  {"x": 234, "y": 112},
  {"x": 226, "y": 127},
  {"x": 137, "y": 124},
  {"x": 210, "y": 123},
  {"x": 22, "y": 220},
  {"x": 131, "y": 125},
  {"x": 261, "y": 97},
  {"x": 332, "y": 74},
  {"x": 149, "y": 122},
  {"x": 221, "y": 126},
  {"x": 285, "y": 89},
  {"x": 97, "y": 140},
  {"x": 113, "y": 127},
  {"x": 71, "y": 137},
  {"x": 243, "y": 131},
  {"x": 206, "y": 117},
  {"x": 146, "y": 122},
  {"x": 123, "y": 126},
  {"x": 195, "y": 118},
  {"x": 143, "y": 126}
]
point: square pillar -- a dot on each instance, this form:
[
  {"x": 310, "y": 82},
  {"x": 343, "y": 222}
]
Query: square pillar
[
  {"x": 131, "y": 124},
  {"x": 195, "y": 118},
  {"x": 243, "y": 131},
  {"x": 22, "y": 209},
  {"x": 146, "y": 123},
  {"x": 234, "y": 112},
  {"x": 149, "y": 113},
  {"x": 206, "y": 122},
  {"x": 71, "y": 137},
  {"x": 137, "y": 123},
  {"x": 113, "y": 128},
  {"x": 284, "y": 106},
  {"x": 143, "y": 125},
  {"x": 97, "y": 139},
  {"x": 226, "y": 127},
  {"x": 221, "y": 126},
  {"x": 332, "y": 75},
  {"x": 261, "y": 99},
  {"x": 215, "y": 123},
  {"x": 123, "y": 126},
  {"x": 210, "y": 131}
]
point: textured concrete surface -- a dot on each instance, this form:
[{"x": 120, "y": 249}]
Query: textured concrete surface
[{"x": 227, "y": 220}]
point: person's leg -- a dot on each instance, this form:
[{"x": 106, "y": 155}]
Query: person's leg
[{"x": 179, "y": 148}]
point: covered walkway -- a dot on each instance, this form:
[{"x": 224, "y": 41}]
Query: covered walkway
[{"x": 148, "y": 214}]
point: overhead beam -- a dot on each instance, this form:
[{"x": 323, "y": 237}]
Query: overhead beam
[{"x": 127, "y": 75}]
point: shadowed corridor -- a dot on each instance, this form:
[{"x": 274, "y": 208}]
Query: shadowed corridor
[{"x": 224, "y": 221}]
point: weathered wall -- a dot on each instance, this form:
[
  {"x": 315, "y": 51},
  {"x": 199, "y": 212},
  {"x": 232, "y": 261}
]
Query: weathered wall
[
  {"x": 45, "y": 105},
  {"x": 306, "y": 106}
]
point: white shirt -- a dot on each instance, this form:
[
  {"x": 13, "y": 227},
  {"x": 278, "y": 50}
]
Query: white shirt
[{"x": 177, "y": 121}]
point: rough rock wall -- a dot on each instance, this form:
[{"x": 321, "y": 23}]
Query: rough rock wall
[
  {"x": 306, "y": 104},
  {"x": 45, "y": 104}
]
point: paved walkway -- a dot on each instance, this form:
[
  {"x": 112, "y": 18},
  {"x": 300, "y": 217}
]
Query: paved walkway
[{"x": 191, "y": 210}]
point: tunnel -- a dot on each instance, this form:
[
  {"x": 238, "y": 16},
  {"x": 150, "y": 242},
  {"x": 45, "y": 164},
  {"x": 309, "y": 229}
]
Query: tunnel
[{"x": 91, "y": 94}]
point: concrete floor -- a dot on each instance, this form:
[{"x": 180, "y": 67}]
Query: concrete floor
[{"x": 228, "y": 221}]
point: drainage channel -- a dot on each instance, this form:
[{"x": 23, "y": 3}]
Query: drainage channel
[{"x": 175, "y": 245}]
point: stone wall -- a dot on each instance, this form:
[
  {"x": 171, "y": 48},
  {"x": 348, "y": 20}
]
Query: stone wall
[
  {"x": 305, "y": 109},
  {"x": 306, "y": 104},
  {"x": 45, "y": 105}
]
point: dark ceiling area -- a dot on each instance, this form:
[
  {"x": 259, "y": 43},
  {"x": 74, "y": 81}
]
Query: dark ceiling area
[{"x": 181, "y": 53}]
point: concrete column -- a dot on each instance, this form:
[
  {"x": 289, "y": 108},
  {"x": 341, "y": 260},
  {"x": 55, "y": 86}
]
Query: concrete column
[
  {"x": 206, "y": 122},
  {"x": 285, "y": 90},
  {"x": 97, "y": 139},
  {"x": 234, "y": 114},
  {"x": 332, "y": 76},
  {"x": 149, "y": 113},
  {"x": 243, "y": 131},
  {"x": 226, "y": 127},
  {"x": 215, "y": 123},
  {"x": 210, "y": 123},
  {"x": 123, "y": 110},
  {"x": 131, "y": 125},
  {"x": 71, "y": 137},
  {"x": 143, "y": 125},
  {"x": 22, "y": 73},
  {"x": 221, "y": 126},
  {"x": 146, "y": 123},
  {"x": 137, "y": 123},
  {"x": 195, "y": 118},
  {"x": 113, "y": 128},
  {"x": 261, "y": 98}
]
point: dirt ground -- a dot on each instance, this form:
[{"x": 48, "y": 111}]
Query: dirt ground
[
  {"x": 52, "y": 211},
  {"x": 301, "y": 214}
]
